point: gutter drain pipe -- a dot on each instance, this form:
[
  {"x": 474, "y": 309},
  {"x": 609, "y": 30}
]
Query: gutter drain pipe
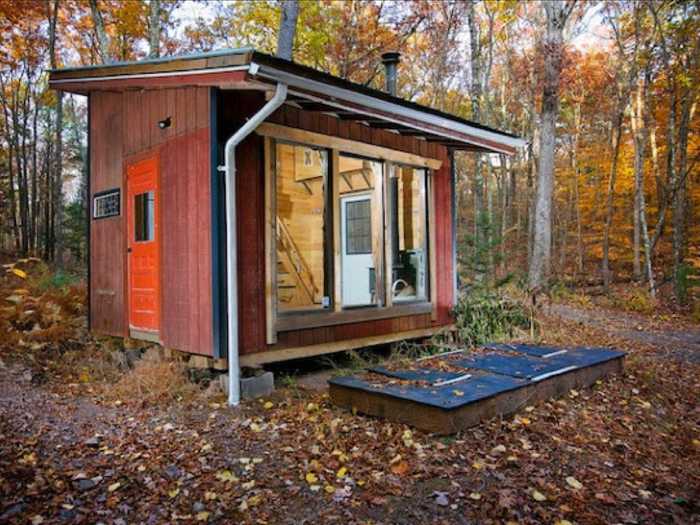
[{"x": 229, "y": 169}]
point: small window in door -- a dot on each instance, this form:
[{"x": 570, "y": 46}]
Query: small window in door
[
  {"x": 358, "y": 224},
  {"x": 144, "y": 220}
]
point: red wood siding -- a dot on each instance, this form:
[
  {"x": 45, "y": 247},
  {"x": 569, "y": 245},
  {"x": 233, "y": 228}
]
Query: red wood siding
[
  {"x": 251, "y": 253},
  {"x": 107, "y": 240},
  {"x": 124, "y": 129}
]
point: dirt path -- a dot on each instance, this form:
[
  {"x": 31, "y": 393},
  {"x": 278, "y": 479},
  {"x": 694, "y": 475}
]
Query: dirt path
[{"x": 676, "y": 343}]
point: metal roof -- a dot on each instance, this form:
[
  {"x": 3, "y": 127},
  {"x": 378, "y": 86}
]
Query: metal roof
[{"x": 312, "y": 89}]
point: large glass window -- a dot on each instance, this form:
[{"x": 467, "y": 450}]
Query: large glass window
[
  {"x": 301, "y": 193},
  {"x": 353, "y": 238},
  {"x": 409, "y": 228}
]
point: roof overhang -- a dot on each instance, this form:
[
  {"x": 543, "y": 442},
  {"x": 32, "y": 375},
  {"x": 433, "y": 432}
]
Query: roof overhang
[{"x": 309, "y": 89}]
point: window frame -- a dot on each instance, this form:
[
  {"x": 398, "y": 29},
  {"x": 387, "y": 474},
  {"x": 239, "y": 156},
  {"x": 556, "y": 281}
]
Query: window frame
[{"x": 335, "y": 313}]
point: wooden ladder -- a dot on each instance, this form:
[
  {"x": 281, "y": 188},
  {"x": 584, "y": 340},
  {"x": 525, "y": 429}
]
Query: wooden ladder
[{"x": 294, "y": 266}]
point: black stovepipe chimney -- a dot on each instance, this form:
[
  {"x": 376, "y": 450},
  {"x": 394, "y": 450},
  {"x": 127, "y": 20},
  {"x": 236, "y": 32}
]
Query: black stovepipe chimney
[{"x": 390, "y": 59}]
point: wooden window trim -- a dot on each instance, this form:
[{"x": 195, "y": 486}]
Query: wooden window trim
[
  {"x": 296, "y": 321},
  {"x": 277, "y": 131}
]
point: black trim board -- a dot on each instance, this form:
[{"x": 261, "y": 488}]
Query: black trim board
[
  {"x": 88, "y": 210},
  {"x": 218, "y": 264}
]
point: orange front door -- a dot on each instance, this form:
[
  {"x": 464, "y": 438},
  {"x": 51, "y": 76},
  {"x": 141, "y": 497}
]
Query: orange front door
[{"x": 144, "y": 245}]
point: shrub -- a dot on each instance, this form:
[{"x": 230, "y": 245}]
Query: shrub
[{"x": 485, "y": 315}]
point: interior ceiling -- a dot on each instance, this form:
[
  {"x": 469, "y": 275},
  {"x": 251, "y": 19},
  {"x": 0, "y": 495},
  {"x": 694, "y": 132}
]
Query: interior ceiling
[{"x": 378, "y": 123}]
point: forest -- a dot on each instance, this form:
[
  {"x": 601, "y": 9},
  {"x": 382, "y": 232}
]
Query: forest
[
  {"x": 624, "y": 187},
  {"x": 585, "y": 242}
]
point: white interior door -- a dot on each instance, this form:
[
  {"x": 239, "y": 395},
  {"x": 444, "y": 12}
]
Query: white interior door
[{"x": 356, "y": 258}]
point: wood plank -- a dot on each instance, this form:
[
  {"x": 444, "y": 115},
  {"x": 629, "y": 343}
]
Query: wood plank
[
  {"x": 432, "y": 244},
  {"x": 360, "y": 148},
  {"x": 270, "y": 251},
  {"x": 180, "y": 64},
  {"x": 298, "y": 352},
  {"x": 288, "y": 322},
  {"x": 337, "y": 275}
]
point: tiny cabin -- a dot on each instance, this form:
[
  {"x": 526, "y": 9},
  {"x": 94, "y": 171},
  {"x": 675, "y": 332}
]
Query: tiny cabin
[{"x": 339, "y": 204}]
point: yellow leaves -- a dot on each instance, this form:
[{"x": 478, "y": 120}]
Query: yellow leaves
[
  {"x": 226, "y": 476},
  {"x": 475, "y": 496},
  {"x": 573, "y": 483},
  {"x": 173, "y": 493},
  {"x": 477, "y": 465},
  {"x": 28, "y": 459},
  {"x": 268, "y": 405},
  {"x": 252, "y": 501},
  {"x": 210, "y": 495},
  {"x": 114, "y": 486},
  {"x": 330, "y": 489},
  {"x": 341, "y": 472},
  {"x": 563, "y": 522},
  {"x": 538, "y": 496},
  {"x": 255, "y": 427},
  {"x": 19, "y": 273},
  {"x": 202, "y": 516},
  {"x": 37, "y": 519},
  {"x": 311, "y": 478},
  {"x": 312, "y": 407}
]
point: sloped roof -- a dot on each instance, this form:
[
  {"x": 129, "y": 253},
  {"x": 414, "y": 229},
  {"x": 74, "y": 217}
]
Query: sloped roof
[{"x": 309, "y": 88}]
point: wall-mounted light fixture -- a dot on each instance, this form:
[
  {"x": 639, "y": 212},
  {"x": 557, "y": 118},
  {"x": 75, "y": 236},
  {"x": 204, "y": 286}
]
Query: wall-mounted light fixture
[{"x": 165, "y": 123}]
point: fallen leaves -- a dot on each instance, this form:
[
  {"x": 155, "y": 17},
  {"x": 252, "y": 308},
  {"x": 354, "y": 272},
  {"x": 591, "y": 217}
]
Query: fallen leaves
[
  {"x": 268, "y": 459},
  {"x": 573, "y": 483},
  {"x": 538, "y": 496},
  {"x": 311, "y": 478}
]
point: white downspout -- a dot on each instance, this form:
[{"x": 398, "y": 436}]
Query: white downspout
[{"x": 229, "y": 167}]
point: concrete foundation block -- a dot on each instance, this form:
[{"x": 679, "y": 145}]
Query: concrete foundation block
[{"x": 252, "y": 387}]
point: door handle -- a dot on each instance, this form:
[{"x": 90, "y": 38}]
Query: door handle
[{"x": 128, "y": 250}]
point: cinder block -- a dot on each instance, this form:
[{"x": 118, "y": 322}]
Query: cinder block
[{"x": 252, "y": 387}]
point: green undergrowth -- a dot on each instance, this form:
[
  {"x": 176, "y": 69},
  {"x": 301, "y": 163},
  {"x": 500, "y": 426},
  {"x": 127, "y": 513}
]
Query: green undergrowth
[{"x": 484, "y": 315}]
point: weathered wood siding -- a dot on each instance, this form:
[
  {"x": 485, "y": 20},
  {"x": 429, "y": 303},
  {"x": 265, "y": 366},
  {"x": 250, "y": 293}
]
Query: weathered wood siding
[
  {"x": 107, "y": 236},
  {"x": 236, "y": 106},
  {"x": 124, "y": 129}
]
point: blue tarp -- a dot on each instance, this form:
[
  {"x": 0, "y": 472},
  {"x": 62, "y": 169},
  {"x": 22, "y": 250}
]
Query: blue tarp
[{"x": 507, "y": 367}]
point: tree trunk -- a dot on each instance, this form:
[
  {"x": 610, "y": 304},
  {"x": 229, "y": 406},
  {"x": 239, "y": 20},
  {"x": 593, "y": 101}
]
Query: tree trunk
[
  {"x": 680, "y": 202},
  {"x": 102, "y": 39},
  {"x": 609, "y": 209},
  {"x": 288, "y": 27},
  {"x": 478, "y": 178},
  {"x": 56, "y": 174},
  {"x": 640, "y": 133},
  {"x": 154, "y": 28},
  {"x": 540, "y": 264}
]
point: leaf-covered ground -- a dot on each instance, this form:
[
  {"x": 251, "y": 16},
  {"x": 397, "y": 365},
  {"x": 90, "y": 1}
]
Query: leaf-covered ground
[{"x": 78, "y": 446}]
